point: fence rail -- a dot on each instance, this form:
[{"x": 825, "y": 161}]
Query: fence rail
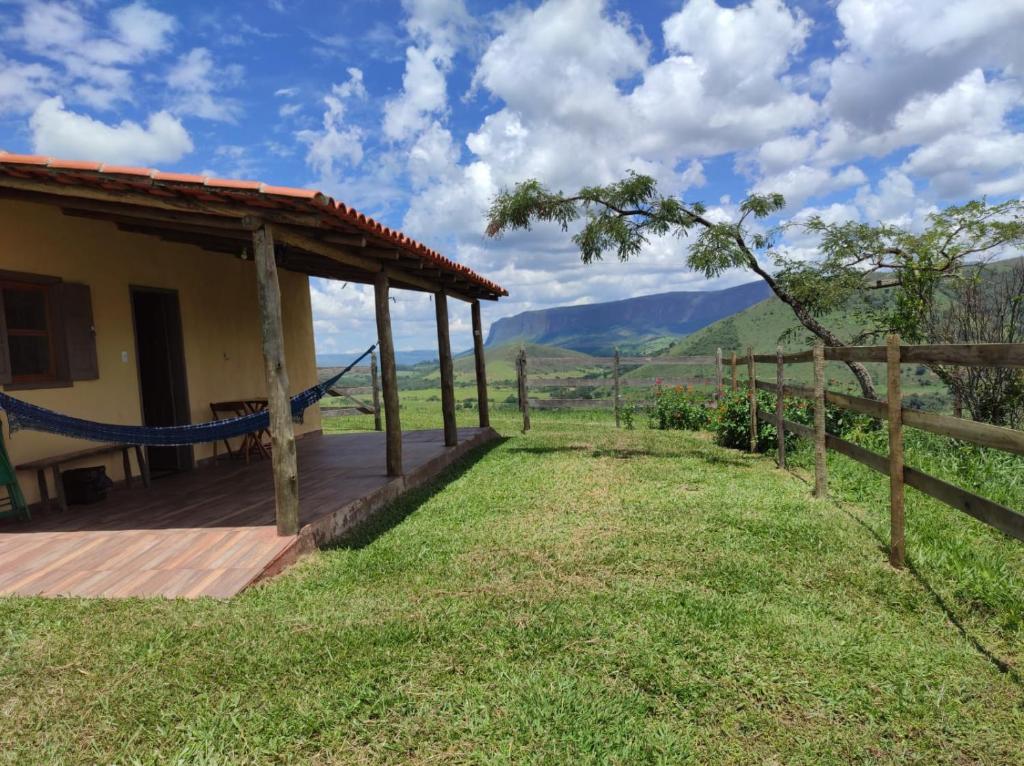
[
  {"x": 961, "y": 354},
  {"x": 612, "y": 378},
  {"x": 891, "y": 410},
  {"x": 355, "y": 395}
]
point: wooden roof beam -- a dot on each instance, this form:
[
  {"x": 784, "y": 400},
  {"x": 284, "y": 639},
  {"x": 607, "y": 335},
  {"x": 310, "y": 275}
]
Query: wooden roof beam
[
  {"x": 178, "y": 204},
  {"x": 300, "y": 241}
]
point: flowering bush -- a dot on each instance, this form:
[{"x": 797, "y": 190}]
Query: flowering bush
[{"x": 676, "y": 408}]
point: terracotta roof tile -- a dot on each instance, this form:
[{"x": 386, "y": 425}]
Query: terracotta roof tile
[{"x": 220, "y": 190}]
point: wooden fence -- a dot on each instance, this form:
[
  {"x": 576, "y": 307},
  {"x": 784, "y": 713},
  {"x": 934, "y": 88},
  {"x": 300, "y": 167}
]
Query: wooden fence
[
  {"x": 893, "y": 355},
  {"x": 613, "y": 379},
  {"x": 356, "y": 402}
]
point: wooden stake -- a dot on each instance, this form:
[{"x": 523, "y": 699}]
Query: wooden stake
[
  {"x": 444, "y": 351},
  {"x": 780, "y": 374},
  {"x": 894, "y": 399},
  {"x": 388, "y": 374},
  {"x": 752, "y": 393},
  {"x": 282, "y": 434},
  {"x": 375, "y": 383},
  {"x": 958, "y": 402},
  {"x": 719, "y": 383},
  {"x": 615, "y": 373},
  {"x": 524, "y": 390},
  {"x": 481, "y": 367},
  {"x": 820, "y": 463},
  {"x": 735, "y": 381}
]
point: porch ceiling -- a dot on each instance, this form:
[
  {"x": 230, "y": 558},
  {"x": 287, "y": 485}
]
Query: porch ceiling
[{"x": 316, "y": 235}]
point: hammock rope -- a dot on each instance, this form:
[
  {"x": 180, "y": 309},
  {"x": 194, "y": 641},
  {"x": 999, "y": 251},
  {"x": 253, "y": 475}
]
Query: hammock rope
[{"x": 30, "y": 416}]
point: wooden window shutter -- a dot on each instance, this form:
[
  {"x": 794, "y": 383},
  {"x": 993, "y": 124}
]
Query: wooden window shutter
[
  {"x": 75, "y": 302},
  {"x": 5, "y": 354}
]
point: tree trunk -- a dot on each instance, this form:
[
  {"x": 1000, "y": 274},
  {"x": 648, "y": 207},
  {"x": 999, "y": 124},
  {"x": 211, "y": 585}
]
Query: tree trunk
[{"x": 805, "y": 318}]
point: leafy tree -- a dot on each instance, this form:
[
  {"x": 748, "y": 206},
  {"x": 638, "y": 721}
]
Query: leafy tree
[
  {"x": 986, "y": 306},
  {"x": 621, "y": 217},
  {"x": 856, "y": 257}
]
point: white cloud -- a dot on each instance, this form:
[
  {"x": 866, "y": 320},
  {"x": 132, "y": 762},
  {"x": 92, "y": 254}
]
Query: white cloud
[
  {"x": 337, "y": 143},
  {"x": 94, "y": 61},
  {"x": 805, "y": 181},
  {"x": 63, "y": 133},
  {"x": 23, "y": 86},
  {"x": 197, "y": 82},
  {"x": 436, "y": 27},
  {"x": 433, "y": 156},
  {"x": 895, "y": 201},
  {"x": 896, "y": 51}
]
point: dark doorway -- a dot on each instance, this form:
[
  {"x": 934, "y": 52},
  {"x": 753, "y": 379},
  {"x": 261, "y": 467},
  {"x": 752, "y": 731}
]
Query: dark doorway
[{"x": 163, "y": 387}]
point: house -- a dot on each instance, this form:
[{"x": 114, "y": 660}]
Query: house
[{"x": 133, "y": 296}]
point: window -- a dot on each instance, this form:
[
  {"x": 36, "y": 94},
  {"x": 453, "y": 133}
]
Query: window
[
  {"x": 46, "y": 332},
  {"x": 29, "y": 332}
]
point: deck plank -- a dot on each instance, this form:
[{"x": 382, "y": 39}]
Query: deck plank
[{"x": 210, "y": 532}]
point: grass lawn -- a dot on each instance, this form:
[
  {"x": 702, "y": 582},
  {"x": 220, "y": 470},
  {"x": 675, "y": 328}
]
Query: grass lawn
[{"x": 576, "y": 595}]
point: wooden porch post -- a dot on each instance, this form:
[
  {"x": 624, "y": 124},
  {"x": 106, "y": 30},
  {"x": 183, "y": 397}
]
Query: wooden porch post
[
  {"x": 282, "y": 435},
  {"x": 481, "y": 367},
  {"x": 444, "y": 352},
  {"x": 388, "y": 374}
]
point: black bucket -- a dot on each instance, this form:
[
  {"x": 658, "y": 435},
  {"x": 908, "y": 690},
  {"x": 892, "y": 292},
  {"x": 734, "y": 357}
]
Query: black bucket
[{"x": 86, "y": 485}]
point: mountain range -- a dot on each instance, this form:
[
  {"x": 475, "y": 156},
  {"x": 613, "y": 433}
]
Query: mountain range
[{"x": 597, "y": 328}]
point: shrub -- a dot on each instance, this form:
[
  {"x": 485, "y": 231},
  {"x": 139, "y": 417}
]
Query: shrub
[
  {"x": 731, "y": 422},
  {"x": 628, "y": 415},
  {"x": 729, "y": 419},
  {"x": 675, "y": 408}
]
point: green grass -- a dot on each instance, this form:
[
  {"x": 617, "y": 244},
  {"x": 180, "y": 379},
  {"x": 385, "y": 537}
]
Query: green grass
[
  {"x": 975, "y": 570},
  {"x": 575, "y": 595}
]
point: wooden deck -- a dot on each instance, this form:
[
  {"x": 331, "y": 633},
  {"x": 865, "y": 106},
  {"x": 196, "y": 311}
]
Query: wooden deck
[{"x": 211, "y": 532}]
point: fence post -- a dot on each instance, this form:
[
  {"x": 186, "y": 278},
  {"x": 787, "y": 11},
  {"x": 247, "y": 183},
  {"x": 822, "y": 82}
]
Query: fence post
[
  {"x": 779, "y": 407},
  {"x": 894, "y": 398},
  {"x": 820, "y": 464},
  {"x": 719, "y": 386},
  {"x": 375, "y": 382},
  {"x": 735, "y": 382},
  {"x": 615, "y": 372},
  {"x": 524, "y": 391},
  {"x": 752, "y": 386}
]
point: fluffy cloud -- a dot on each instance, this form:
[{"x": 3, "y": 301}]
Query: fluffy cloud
[
  {"x": 94, "y": 62},
  {"x": 896, "y": 51},
  {"x": 337, "y": 143},
  {"x": 197, "y": 82},
  {"x": 804, "y": 181},
  {"x": 61, "y": 132},
  {"x": 437, "y": 27},
  {"x": 22, "y": 86}
]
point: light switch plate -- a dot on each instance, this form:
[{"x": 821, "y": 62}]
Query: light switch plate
[{"x": 124, "y": 357}]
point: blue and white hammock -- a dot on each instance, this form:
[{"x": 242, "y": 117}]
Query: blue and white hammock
[{"x": 24, "y": 415}]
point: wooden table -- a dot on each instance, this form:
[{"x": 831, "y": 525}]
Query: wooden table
[
  {"x": 54, "y": 463},
  {"x": 254, "y": 443}
]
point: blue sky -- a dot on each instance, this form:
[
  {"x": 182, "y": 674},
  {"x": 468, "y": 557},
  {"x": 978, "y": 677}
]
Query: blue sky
[{"x": 418, "y": 111}]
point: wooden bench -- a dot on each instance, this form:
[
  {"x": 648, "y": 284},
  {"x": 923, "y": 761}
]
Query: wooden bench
[{"x": 54, "y": 462}]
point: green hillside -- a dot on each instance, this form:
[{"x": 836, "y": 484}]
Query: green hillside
[
  {"x": 501, "y": 360},
  {"x": 771, "y": 322}
]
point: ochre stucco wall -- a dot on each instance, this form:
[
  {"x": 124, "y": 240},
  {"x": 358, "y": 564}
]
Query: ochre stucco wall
[{"x": 219, "y": 312}]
